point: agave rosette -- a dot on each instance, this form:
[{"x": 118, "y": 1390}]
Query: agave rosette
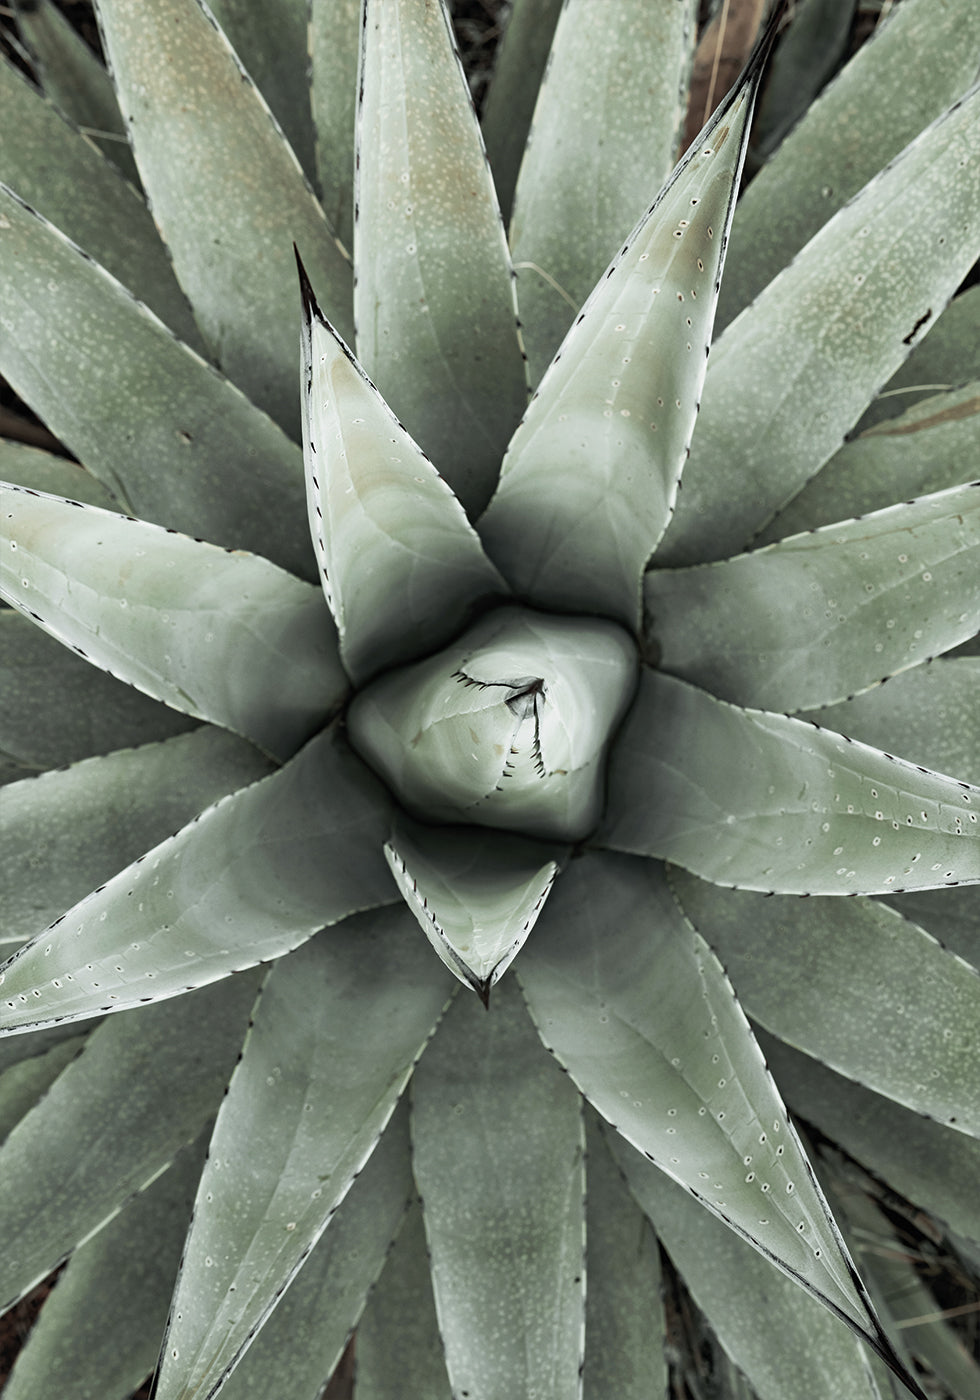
[{"x": 456, "y": 735}]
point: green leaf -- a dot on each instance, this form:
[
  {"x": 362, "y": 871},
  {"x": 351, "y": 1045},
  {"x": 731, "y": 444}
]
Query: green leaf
[
  {"x": 519, "y": 65},
  {"x": 779, "y": 398},
  {"x": 99, "y": 1332},
  {"x": 928, "y": 715},
  {"x": 66, "y": 832},
  {"x": 476, "y": 894},
  {"x": 76, "y": 81},
  {"x": 400, "y": 564},
  {"x": 903, "y": 79},
  {"x": 924, "y": 1161},
  {"x": 809, "y": 52},
  {"x": 105, "y": 374},
  {"x": 788, "y": 1346},
  {"x": 111, "y": 1124},
  {"x": 399, "y": 1350},
  {"x": 301, "y": 1343},
  {"x": 932, "y": 447},
  {"x": 249, "y": 879},
  {"x": 434, "y": 297},
  {"x": 55, "y": 170},
  {"x": 624, "y": 1310},
  {"x": 43, "y": 471},
  {"x": 612, "y": 89},
  {"x": 287, "y": 1146},
  {"x": 589, "y": 480},
  {"x": 227, "y": 192},
  {"x": 767, "y": 802},
  {"x": 335, "y": 32},
  {"x": 633, "y": 1003},
  {"x": 814, "y": 619},
  {"x": 23, "y": 1085},
  {"x": 41, "y": 728},
  {"x": 271, "y": 41},
  {"x": 951, "y": 916},
  {"x": 223, "y": 636},
  {"x": 504, "y": 1210},
  {"x": 855, "y": 985}
]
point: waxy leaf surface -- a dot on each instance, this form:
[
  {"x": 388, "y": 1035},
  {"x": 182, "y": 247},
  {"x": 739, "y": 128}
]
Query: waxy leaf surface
[
  {"x": 767, "y": 802},
  {"x": 40, "y": 470},
  {"x": 334, "y": 36},
  {"x": 287, "y": 1146}
]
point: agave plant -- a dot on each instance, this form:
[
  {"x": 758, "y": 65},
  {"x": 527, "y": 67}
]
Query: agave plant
[{"x": 525, "y": 720}]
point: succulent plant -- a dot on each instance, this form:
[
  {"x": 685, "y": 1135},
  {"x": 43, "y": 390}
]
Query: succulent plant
[{"x": 527, "y": 720}]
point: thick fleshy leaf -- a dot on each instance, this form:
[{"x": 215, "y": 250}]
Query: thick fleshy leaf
[
  {"x": 624, "y": 1310},
  {"x": 335, "y": 32},
  {"x": 249, "y": 879},
  {"x": 855, "y": 985},
  {"x": 25, "y": 1084},
  {"x": 287, "y": 1145},
  {"x": 401, "y": 566},
  {"x": 101, "y": 1333},
  {"x": 590, "y": 477},
  {"x": 223, "y": 636},
  {"x": 929, "y": 715},
  {"x": 40, "y": 728},
  {"x": 72, "y": 1163},
  {"x": 924, "y": 1161},
  {"x": 44, "y": 471},
  {"x": 933, "y": 446},
  {"x": 399, "y": 1350},
  {"x": 612, "y": 89},
  {"x": 75, "y": 80},
  {"x": 434, "y": 296},
  {"x": 227, "y": 192},
  {"x": 786, "y": 1344},
  {"x": 631, "y": 1000},
  {"x": 64, "y": 833},
  {"x": 899, "y": 82},
  {"x": 809, "y": 51},
  {"x": 778, "y": 399},
  {"x": 951, "y": 916},
  {"x": 57, "y": 171},
  {"x": 519, "y": 65},
  {"x": 170, "y": 438},
  {"x": 301, "y": 1343},
  {"x": 767, "y": 802},
  {"x": 504, "y": 1210},
  {"x": 477, "y": 895},
  {"x": 814, "y": 619}
]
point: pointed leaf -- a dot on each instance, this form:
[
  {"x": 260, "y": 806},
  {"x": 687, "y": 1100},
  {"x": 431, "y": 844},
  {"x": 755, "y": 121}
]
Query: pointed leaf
[
  {"x": 778, "y": 399},
  {"x": 924, "y": 1161},
  {"x": 916, "y": 64},
  {"x": 810, "y": 51},
  {"x": 94, "y": 1140},
  {"x": 249, "y": 879},
  {"x": 99, "y": 1332},
  {"x": 399, "y": 1350},
  {"x": 335, "y": 32},
  {"x": 766, "y": 802},
  {"x": 301, "y": 1343},
  {"x": 504, "y": 1210},
  {"x": 855, "y": 985},
  {"x": 786, "y": 1344},
  {"x": 612, "y": 89},
  {"x": 476, "y": 894},
  {"x": 55, "y": 170},
  {"x": 40, "y": 728},
  {"x": 76, "y": 81},
  {"x": 226, "y": 637},
  {"x": 65, "y": 832},
  {"x": 105, "y": 374},
  {"x": 637, "y": 1008},
  {"x": 624, "y": 1310},
  {"x": 23, "y": 1085},
  {"x": 286, "y": 1146},
  {"x": 814, "y": 619},
  {"x": 44, "y": 471},
  {"x": 400, "y": 564},
  {"x": 434, "y": 297},
  {"x": 227, "y": 192},
  {"x": 590, "y": 476}
]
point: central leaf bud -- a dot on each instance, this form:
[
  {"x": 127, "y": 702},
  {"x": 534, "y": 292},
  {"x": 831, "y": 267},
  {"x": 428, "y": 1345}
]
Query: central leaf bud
[{"x": 507, "y": 727}]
